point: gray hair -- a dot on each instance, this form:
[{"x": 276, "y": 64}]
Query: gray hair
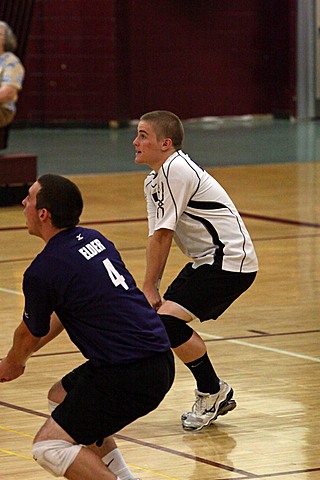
[{"x": 10, "y": 40}]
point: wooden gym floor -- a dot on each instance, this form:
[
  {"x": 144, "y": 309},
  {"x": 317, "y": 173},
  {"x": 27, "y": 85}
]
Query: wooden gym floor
[{"x": 267, "y": 345}]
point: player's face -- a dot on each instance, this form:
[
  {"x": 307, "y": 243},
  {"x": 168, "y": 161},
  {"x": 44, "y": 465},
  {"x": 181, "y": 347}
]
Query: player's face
[
  {"x": 30, "y": 211},
  {"x": 148, "y": 146}
]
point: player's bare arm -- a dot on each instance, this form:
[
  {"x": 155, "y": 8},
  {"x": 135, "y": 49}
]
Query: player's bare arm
[
  {"x": 24, "y": 344},
  {"x": 158, "y": 249}
]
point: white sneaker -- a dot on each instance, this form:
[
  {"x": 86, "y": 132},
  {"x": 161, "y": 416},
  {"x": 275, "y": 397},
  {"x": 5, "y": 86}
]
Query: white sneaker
[{"x": 208, "y": 407}]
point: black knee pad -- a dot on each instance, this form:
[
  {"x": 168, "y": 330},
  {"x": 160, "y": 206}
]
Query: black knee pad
[{"x": 178, "y": 331}]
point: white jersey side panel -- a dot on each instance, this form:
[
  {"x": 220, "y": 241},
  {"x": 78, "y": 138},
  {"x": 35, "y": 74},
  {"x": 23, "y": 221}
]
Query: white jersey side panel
[{"x": 208, "y": 228}]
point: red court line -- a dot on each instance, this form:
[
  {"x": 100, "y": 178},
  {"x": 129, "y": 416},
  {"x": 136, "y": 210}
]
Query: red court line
[
  {"x": 144, "y": 219},
  {"x": 96, "y": 222},
  {"x": 134, "y": 249},
  {"x": 187, "y": 455},
  {"x": 244, "y": 474},
  {"x": 24, "y": 410},
  {"x": 54, "y": 354},
  {"x": 224, "y": 339},
  {"x": 278, "y": 474},
  {"x": 279, "y": 220},
  {"x": 261, "y": 335},
  {"x": 146, "y": 444},
  {"x": 285, "y": 237}
]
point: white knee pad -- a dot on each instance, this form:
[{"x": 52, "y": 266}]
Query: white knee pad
[{"x": 55, "y": 456}]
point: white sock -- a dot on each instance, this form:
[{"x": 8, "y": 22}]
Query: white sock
[{"x": 115, "y": 462}]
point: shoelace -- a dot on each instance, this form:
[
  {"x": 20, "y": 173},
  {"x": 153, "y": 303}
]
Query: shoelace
[{"x": 200, "y": 405}]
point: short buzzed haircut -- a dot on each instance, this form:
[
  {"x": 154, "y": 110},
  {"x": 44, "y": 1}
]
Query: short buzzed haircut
[
  {"x": 62, "y": 198},
  {"x": 167, "y": 125}
]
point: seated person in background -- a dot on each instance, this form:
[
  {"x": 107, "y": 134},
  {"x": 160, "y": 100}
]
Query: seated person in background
[{"x": 11, "y": 75}]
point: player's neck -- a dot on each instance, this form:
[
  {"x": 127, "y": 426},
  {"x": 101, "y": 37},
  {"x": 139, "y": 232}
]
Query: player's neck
[
  {"x": 158, "y": 164},
  {"x": 49, "y": 232}
]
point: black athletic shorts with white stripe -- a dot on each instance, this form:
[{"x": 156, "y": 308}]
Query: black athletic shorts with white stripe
[{"x": 207, "y": 292}]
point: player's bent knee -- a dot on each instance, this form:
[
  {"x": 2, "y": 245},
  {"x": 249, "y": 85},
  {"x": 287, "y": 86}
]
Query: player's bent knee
[
  {"x": 178, "y": 331},
  {"x": 55, "y": 456},
  {"x": 57, "y": 393}
]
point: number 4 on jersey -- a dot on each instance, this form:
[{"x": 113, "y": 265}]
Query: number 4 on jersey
[{"x": 114, "y": 275}]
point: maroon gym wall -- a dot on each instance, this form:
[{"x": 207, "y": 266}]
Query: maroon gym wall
[{"x": 91, "y": 62}]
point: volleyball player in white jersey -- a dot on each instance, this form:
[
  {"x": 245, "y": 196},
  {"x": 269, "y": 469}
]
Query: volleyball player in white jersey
[{"x": 188, "y": 205}]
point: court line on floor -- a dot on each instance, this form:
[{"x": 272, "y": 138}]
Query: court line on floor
[
  {"x": 25, "y": 457},
  {"x": 278, "y": 474},
  {"x": 145, "y": 444},
  {"x": 15, "y": 454},
  {"x": 12, "y": 292},
  {"x": 143, "y": 248},
  {"x": 82, "y": 224},
  {"x": 245, "y": 475},
  {"x": 11, "y": 430},
  {"x": 260, "y": 347},
  {"x": 286, "y": 221},
  {"x": 235, "y": 341},
  {"x": 148, "y": 445},
  {"x": 265, "y": 335},
  {"x": 253, "y": 216}
]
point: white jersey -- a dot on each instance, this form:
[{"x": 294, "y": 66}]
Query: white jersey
[{"x": 207, "y": 226}]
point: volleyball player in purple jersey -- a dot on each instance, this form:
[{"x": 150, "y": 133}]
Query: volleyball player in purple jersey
[{"x": 79, "y": 282}]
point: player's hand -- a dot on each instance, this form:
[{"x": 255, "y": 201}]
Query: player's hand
[
  {"x": 9, "y": 370},
  {"x": 153, "y": 297}
]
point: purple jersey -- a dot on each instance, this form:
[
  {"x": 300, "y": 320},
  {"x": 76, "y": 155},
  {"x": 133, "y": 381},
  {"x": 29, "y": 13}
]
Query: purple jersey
[{"x": 81, "y": 276}]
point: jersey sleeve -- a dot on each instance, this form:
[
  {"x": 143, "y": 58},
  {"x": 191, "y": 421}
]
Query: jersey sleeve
[
  {"x": 38, "y": 305},
  {"x": 177, "y": 183}
]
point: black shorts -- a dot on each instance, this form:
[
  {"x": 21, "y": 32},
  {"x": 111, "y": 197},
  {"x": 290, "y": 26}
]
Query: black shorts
[
  {"x": 207, "y": 292},
  {"x": 101, "y": 401}
]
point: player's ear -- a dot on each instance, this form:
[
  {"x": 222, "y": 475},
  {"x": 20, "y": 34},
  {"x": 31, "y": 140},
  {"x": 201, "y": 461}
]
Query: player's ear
[
  {"x": 166, "y": 143},
  {"x": 43, "y": 213}
]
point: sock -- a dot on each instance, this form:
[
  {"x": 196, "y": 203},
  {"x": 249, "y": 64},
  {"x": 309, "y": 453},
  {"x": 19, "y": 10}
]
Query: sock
[
  {"x": 204, "y": 374},
  {"x": 115, "y": 462}
]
